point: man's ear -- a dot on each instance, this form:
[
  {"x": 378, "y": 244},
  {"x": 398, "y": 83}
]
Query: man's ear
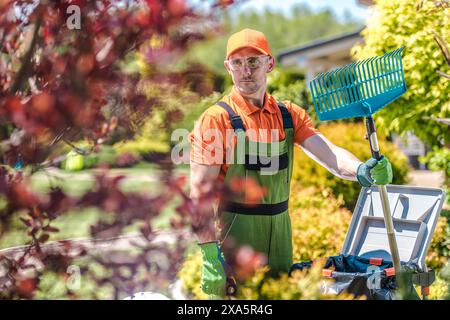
[
  {"x": 225, "y": 63},
  {"x": 271, "y": 64}
]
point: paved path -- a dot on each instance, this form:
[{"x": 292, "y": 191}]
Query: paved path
[
  {"x": 56, "y": 173},
  {"x": 93, "y": 246},
  {"x": 426, "y": 178}
]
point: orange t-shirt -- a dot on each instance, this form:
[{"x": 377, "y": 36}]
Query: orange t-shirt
[{"x": 210, "y": 139}]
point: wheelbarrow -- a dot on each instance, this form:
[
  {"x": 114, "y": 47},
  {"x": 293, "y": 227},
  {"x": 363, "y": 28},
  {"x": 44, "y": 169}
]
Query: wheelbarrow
[{"x": 365, "y": 265}]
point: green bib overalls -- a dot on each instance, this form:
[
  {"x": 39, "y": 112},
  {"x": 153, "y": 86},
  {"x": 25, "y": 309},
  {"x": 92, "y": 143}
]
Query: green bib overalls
[{"x": 266, "y": 226}]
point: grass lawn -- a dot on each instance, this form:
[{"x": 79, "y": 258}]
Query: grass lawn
[{"x": 144, "y": 177}]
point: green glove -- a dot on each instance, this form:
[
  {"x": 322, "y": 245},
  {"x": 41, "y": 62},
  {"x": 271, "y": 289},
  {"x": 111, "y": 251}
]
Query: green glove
[
  {"x": 213, "y": 271},
  {"x": 374, "y": 172}
]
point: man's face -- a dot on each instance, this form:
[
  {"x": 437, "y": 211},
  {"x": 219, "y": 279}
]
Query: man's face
[{"x": 248, "y": 68}]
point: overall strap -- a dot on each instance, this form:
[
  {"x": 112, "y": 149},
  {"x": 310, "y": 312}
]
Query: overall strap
[
  {"x": 235, "y": 119},
  {"x": 287, "y": 118}
]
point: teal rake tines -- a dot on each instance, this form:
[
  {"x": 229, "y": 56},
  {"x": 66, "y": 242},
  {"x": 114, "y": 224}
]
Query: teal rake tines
[{"x": 359, "y": 90}]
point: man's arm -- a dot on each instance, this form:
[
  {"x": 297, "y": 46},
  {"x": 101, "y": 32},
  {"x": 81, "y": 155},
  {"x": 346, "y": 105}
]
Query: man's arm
[
  {"x": 203, "y": 179},
  {"x": 337, "y": 160}
]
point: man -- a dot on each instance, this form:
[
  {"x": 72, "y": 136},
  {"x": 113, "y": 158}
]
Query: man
[{"x": 264, "y": 225}]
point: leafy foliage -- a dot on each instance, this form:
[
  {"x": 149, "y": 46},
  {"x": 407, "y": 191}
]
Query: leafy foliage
[
  {"x": 439, "y": 251},
  {"x": 402, "y": 23},
  {"x": 151, "y": 139},
  {"x": 288, "y": 84},
  {"x": 319, "y": 223},
  {"x": 60, "y": 85}
]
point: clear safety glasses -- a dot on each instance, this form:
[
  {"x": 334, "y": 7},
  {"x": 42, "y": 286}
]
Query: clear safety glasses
[{"x": 252, "y": 62}]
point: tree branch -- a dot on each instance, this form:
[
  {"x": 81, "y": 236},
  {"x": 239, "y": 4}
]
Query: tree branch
[
  {"x": 26, "y": 60},
  {"x": 443, "y": 74}
]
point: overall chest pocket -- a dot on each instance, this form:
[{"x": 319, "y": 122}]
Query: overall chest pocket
[{"x": 271, "y": 174}]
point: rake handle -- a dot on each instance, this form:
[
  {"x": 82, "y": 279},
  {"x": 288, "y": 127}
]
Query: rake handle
[
  {"x": 372, "y": 136},
  {"x": 374, "y": 147}
]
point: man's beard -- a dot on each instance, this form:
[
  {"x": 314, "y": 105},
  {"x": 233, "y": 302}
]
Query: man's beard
[{"x": 248, "y": 87}]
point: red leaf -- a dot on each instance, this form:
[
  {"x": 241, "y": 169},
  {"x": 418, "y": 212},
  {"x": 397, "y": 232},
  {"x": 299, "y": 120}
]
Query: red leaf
[
  {"x": 113, "y": 123},
  {"x": 35, "y": 212},
  {"x": 176, "y": 7},
  {"x": 175, "y": 116},
  {"x": 43, "y": 102},
  {"x": 180, "y": 181},
  {"x": 27, "y": 222},
  {"x": 44, "y": 237},
  {"x": 186, "y": 208},
  {"x": 26, "y": 287},
  {"x": 4, "y": 4},
  {"x": 13, "y": 104},
  {"x": 142, "y": 18},
  {"x": 79, "y": 3},
  {"x": 50, "y": 229},
  {"x": 225, "y": 3},
  {"x": 115, "y": 181},
  {"x": 247, "y": 261},
  {"x": 146, "y": 230},
  {"x": 85, "y": 63}
]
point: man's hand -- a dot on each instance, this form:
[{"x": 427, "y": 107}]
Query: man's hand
[
  {"x": 213, "y": 279},
  {"x": 375, "y": 172}
]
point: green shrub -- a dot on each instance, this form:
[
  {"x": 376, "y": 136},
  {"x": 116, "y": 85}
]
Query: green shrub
[
  {"x": 155, "y": 134},
  {"x": 445, "y": 275},
  {"x": 439, "y": 251},
  {"x": 287, "y": 84},
  {"x": 192, "y": 112},
  {"x": 190, "y": 275},
  {"x": 106, "y": 155},
  {"x": 142, "y": 146},
  {"x": 350, "y": 137},
  {"x": 302, "y": 285},
  {"x": 150, "y": 138},
  {"x": 319, "y": 223},
  {"x": 439, "y": 289},
  {"x": 415, "y": 25}
]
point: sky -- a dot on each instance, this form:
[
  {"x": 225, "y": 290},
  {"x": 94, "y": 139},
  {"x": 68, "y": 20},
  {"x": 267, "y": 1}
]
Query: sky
[{"x": 339, "y": 6}]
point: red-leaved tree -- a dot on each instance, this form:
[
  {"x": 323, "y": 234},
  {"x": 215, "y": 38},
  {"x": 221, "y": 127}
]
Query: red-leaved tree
[{"x": 61, "y": 67}]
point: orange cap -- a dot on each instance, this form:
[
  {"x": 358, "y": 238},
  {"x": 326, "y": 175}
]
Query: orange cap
[{"x": 248, "y": 38}]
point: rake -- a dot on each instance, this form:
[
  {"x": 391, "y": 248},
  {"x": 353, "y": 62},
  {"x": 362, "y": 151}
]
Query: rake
[{"x": 359, "y": 90}]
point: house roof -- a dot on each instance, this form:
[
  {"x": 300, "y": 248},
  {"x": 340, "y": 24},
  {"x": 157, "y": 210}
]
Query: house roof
[
  {"x": 365, "y": 2},
  {"x": 319, "y": 43}
]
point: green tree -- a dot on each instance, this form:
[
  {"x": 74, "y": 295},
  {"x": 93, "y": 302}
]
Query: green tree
[
  {"x": 289, "y": 84},
  {"x": 417, "y": 26},
  {"x": 282, "y": 30}
]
